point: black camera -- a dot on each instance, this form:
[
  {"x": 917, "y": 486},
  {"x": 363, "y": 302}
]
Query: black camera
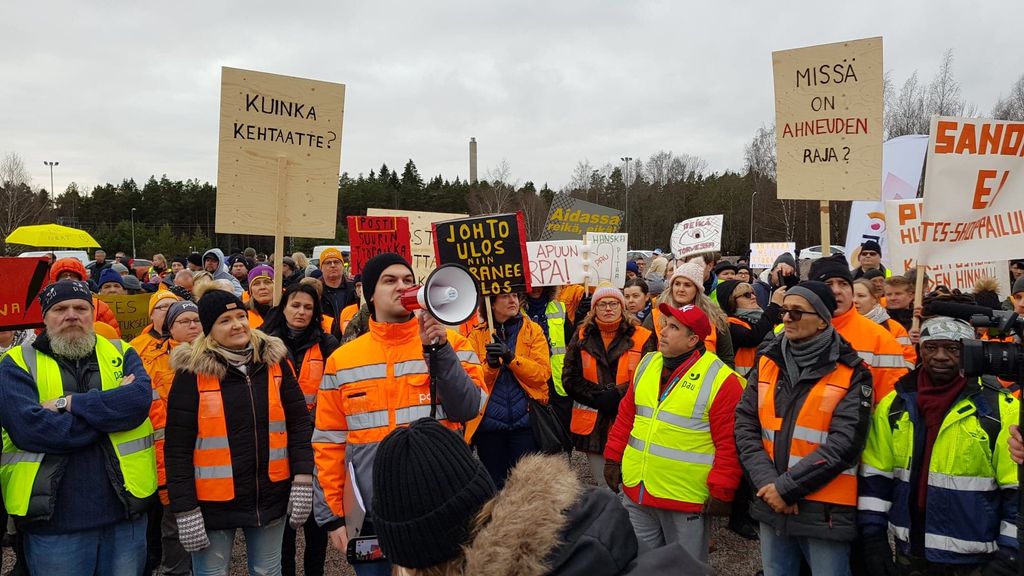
[{"x": 1004, "y": 359}]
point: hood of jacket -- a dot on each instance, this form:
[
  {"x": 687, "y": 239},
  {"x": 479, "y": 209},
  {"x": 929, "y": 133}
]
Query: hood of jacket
[
  {"x": 221, "y": 267},
  {"x": 68, "y": 265},
  {"x": 199, "y": 357}
]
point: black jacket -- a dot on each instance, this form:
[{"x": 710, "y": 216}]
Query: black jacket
[
  {"x": 847, "y": 436},
  {"x": 257, "y": 500},
  {"x": 587, "y": 393}
]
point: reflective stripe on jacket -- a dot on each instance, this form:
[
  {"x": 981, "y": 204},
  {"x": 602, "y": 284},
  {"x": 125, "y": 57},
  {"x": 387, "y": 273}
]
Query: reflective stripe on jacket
[
  {"x": 311, "y": 374},
  {"x": 555, "y": 313},
  {"x": 584, "y": 417},
  {"x": 876, "y": 346}
]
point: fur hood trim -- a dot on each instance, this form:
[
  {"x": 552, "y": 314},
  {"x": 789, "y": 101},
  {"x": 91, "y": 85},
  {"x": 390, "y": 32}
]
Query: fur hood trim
[
  {"x": 199, "y": 358},
  {"x": 531, "y": 511}
]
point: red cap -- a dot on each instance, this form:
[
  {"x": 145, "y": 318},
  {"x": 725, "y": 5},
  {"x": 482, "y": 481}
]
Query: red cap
[{"x": 690, "y": 316}]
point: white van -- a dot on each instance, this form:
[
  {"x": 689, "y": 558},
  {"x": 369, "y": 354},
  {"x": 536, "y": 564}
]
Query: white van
[{"x": 81, "y": 255}]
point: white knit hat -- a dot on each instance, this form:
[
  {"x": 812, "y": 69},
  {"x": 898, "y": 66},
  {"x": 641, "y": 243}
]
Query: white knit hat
[
  {"x": 606, "y": 290},
  {"x": 692, "y": 271}
]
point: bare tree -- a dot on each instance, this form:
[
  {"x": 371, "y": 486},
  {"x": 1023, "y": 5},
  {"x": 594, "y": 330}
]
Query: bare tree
[
  {"x": 496, "y": 194},
  {"x": 944, "y": 97},
  {"x": 1012, "y": 106},
  {"x": 581, "y": 175},
  {"x": 906, "y": 115},
  {"x": 657, "y": 168},
  {"x": 19, "y": 205},
  {"x": 762, "y": 164}
]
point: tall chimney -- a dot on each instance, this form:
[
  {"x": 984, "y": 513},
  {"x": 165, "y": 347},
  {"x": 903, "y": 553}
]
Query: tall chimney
[{"x": 472, "y": 161}]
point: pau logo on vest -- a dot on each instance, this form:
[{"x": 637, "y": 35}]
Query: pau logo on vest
[
  {"x": 691, "y": 382},
  {"x": 118, "y": 363}
]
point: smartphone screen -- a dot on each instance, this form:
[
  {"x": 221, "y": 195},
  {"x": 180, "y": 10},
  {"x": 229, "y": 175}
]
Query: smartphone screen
[{"x": 366, "y": 549}]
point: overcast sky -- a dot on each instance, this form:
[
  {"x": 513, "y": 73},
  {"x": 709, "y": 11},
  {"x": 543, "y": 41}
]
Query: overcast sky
[{"x": 114, "y": 90}]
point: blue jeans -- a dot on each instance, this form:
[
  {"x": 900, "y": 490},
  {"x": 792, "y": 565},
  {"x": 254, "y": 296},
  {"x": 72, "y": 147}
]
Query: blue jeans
[
  {"x": 781, "y": 554},
  {"x": 114, "y": 550},
  {"x": 262, "y": 549},
  {"x": 500, "y": 450}
]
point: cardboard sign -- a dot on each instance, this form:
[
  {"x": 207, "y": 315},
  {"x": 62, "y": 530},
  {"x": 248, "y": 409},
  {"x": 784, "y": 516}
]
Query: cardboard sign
[
  {"x": 131, "y": 311},
  {"x": 23, "y": 278},
  {"x": 372, "y": 235},
  {"x": 697, "y": 236},
  {"x": 763, "y": 254},
  {"x": 493, "y": 248},
  {"x": 571, "y": 218},
  {"x": 555, "y": 262},
  {"x": 267, "y": 117},
  {"x": 974, "y": 184},
  {"x": 606, "y": 258},
  {"x": 904, "y": 232},
  {"x": 421, "y": 236},
  {"x": 828, "y": 121}
]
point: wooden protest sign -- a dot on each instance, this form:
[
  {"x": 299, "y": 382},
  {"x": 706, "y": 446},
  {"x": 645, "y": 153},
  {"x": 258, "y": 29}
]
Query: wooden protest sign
[
  {"x": 763, "y": 254},
  {"x": 903, "y": 219},
  {"x": 697, "y": 236},
  {"x": 606, "y": 258},
  {"x": 828, "y": 121},
  {"x": 372, "y": 235},
  {"x": 571, "y": 218},
  {"x": 131, "y": 311},
  {"x": 493, "y": 248},
  {"x": 555, "y": 262},
  {"x": 974, "y": 184},
  {"x": 421, "y": 237},
  {"x": 23, "y": 278}
]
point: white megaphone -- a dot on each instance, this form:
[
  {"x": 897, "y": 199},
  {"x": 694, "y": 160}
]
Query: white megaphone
[{"x": 450, "y": 294}]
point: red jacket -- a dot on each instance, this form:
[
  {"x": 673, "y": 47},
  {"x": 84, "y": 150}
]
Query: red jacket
[{"x": 726, "y": 472}]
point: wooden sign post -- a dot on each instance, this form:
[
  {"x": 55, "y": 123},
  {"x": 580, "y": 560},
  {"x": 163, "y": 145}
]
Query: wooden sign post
[{"x": 279, "y": 158}]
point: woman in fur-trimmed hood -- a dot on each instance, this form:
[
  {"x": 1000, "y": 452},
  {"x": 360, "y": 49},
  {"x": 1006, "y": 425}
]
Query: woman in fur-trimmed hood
[
  {"x": 437, "y": 513},
  {"x": 238, "y": 451}
]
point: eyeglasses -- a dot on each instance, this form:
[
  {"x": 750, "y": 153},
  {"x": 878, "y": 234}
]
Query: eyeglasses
[
  {"x": 187, "y": 322},
  {"x": 746, "y": 295},
  {"x": 797, "y": 314},
  {"x": 869, "y": 253},
  {"x": 162, "y": 308},
  {"x": 608, "y": 305}
]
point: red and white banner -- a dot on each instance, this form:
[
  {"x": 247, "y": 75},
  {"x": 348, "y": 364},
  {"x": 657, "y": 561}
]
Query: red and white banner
[
  {"x": 974, "y": 184},
  {"x": 19, "y": 292}
]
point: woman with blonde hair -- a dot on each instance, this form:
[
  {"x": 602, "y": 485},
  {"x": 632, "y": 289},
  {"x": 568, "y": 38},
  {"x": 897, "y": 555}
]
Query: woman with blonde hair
[{"x": 687, "y": 287}]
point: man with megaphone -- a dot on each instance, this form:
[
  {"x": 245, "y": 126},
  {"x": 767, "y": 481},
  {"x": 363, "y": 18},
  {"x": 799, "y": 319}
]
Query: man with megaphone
[{"x": 382, "y": 380}]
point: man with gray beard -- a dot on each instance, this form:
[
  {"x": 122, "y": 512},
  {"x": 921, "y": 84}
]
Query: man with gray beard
[{"x": 78, "y": 467}]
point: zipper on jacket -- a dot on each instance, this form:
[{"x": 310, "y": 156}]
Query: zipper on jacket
[{"x": 256, "y": 441}]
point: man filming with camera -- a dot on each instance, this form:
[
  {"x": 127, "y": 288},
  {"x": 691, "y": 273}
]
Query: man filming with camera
[{"x": 936, "y": 468}]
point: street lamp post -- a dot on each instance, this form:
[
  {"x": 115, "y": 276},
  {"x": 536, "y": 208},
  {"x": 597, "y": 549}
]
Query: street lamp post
[
  {"x": 133, "y": 233},
  {"x": 625, "y": 177},
  {"x": 752, "y": 196},
  {"x": 53, "y": 195}
]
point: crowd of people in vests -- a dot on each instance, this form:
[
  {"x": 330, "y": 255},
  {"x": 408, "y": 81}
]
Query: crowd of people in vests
[{"x": 822, "y": 414}]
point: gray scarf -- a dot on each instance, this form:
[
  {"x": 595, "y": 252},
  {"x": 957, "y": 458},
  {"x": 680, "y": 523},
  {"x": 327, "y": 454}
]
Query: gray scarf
[
  {"x": 236, "y": 358},
  {"x": 878, "y": 315},
  {"x": 803, "y": 357},
  {"x": 750, "y": 316}
]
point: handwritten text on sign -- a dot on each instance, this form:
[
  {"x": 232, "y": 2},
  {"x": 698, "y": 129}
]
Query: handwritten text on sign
[
  {"x": 555, "y": 262},
  {"x": 697, "y": 236},
  {"x": 828, "y": 121},
  {"x": 493, "y": 248},
  {"x": 373, "y": 235},
  {"x": 606, "y": 258},
  {"x": 421, "y": 235},
  {"x": 974, "y": 184}
]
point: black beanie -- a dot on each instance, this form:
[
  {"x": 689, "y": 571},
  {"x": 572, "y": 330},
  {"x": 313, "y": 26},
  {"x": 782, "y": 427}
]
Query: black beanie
[
  {"x": 871, "y": 246},
  {"x": 372, "y": 270},
  {"x": 724, "y": 294},
  {"x": 63, "y": 291},
  {"x": 195, "y": 259},
  {"x": 428, "y": 488},
  {"x": 213, "y": 304},
  {"x": 834, "y": 266}
]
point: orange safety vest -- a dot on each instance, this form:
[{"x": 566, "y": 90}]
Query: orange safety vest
[
  {"x": 710, "y": 343},
  {"x": 347, "y": 314},
  {"x": 310, "y": 374},
  {"x": 212, "y": 455},
  {"x": 811, "y": 427},
  {"x": 744, "y": 356},
  {"x": 255, "y": 320},
  {"x": 584, "y": 418}
]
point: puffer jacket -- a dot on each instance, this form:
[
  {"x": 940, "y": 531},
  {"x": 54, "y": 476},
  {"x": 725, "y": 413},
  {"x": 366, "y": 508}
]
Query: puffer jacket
[
  {"x": 560, "y": 526},
  {"x": 841, "y": 451},
  {"x": 257, "y": 500},
  {"x": 583, "y": 391},
  {"x": 222, "y": 272}
]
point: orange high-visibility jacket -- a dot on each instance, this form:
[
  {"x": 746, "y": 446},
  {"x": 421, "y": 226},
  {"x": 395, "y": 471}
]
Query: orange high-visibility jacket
[
  {"x": 156, "y": 359},
  {"x": 876, "y": 346},
  {"x": 347, "y": 314},
  {"x": 255, "y": 320},
  {"x": 570, "y": 296},
  {"x": 744, "y": 356},
  {"x": 374, "y": 384},
  {"x": 584, "y": 418},
  {"x": 212, "y": 456},
  {"x": 531, "y": 365},
  {"x": 810, "y": 431},
  {"x": 311, "y": 373},
  {"x": 900, "y": 334}
]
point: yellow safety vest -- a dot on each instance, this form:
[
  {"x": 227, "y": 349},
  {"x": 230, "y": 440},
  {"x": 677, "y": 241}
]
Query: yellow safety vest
[
  {"x": 27, "y": 477},
  {"x": 555, "y": 313},
  {"x": 670, "y": 448}
]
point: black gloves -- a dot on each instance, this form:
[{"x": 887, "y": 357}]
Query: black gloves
[
  {"x": 498, "y": 352},
  {"x": 612, "y": 474},
  {"x": 583, "y": 309},
  {"x": 715, "y": 507},
  {"x": 607, "y": 401},
  {"x": 876, "y": 555},
  {"x": 1003, "y": 563}
]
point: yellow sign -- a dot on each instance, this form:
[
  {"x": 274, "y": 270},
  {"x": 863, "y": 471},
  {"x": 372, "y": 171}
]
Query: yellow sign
[
  {"x": 828, "y": 121},
  {"x": 131, "y": 311},
  {"x": 280, "y": 153}
]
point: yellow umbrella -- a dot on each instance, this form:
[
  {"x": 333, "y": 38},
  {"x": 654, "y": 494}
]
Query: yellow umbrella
[{"x": 51, "y": 236}]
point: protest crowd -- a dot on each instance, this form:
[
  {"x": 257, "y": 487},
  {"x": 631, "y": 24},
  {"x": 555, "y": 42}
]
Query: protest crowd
[{"x": 819, "y": 413}]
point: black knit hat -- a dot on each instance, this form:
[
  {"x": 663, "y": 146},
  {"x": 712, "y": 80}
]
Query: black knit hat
[
  {"x": 63, "y": 291},
  {"x": 213, "y": 304},
  {"x": 724, "y": 294},
  {"x": 372, "y": 270},
  {"x": 428, "y": 487},
  {"x": 834, "y": 266},
  {"x": 195, "y": 259},
  {"x": 871, "y": 246}
]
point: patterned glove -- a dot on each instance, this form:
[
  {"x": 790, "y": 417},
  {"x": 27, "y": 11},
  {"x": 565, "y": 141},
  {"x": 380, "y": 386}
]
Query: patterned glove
[
  {"x": 300, "y": 504},
  {"x": 192, "y": 530}
]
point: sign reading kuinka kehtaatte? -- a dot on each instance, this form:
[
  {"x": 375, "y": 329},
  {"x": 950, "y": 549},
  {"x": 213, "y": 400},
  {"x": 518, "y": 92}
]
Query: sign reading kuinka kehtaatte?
[
  {"x": 493, "y": 248},
  {"x": 828, "y": 121}
]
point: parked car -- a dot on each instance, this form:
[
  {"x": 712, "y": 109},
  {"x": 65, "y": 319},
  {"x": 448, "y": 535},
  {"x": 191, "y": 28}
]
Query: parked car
[
  {"x": 634, "y": 254},
  {"x": 814, "y": 252}
]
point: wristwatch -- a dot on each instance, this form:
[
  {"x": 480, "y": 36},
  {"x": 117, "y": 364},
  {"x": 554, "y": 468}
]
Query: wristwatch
[{"x": 62, "y": 404}]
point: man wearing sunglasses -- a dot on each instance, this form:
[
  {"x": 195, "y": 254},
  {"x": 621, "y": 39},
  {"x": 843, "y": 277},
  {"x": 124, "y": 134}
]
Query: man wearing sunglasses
[{"x": 870, "y": 258}]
